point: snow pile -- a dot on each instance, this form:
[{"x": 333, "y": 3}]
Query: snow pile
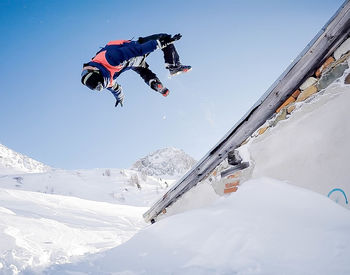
[
  {"x": 268, "y": 227},
  {"x": 311, "y": 148},
  {"x": 12, "y": 162},
  {"x": 40, "y": 229},
  {"x": 168, "y": 161}
]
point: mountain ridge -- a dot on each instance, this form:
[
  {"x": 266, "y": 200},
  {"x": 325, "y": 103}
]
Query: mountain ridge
[
  {"x": 12, "y": 162},
  {"x": 168, "y": 161}
]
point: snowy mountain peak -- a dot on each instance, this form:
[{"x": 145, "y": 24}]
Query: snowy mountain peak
[
  {"x": 167, "y": 161},
  {"x": 12, "y": 162}
]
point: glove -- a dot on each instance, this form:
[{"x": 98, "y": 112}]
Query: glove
[
  {"x": 119, "y": 99},
  {"x": 177, "y": 37},
  {"x": 118, "y": 94},
  {"x": 166, "y": 40}
]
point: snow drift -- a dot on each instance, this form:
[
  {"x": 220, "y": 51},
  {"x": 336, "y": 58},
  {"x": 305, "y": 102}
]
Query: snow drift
[
  {"x": 311, "y": 148},
  {"x": 38, "y": 229},
  {"x": 269, "y": 227}
]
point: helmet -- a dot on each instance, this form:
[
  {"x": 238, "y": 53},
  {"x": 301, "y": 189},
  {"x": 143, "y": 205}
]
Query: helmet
[{"x": 93, "y": 79}]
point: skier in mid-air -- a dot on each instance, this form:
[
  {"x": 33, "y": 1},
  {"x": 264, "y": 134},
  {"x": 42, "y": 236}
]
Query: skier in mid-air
[{"x": 120, "y": 55}]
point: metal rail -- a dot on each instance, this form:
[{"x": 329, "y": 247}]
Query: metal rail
[{"x": 315, "y": 53}]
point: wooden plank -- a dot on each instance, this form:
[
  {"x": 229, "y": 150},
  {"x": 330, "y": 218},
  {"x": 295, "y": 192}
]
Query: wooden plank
[{"x": 315, "y": 53}]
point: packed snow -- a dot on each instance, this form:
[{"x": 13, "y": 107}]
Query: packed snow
[{"x": 90, "y": 221}]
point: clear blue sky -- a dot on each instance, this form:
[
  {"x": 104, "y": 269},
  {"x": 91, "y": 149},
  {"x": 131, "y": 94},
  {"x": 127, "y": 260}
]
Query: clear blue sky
[{"x": 237, "y": 50}]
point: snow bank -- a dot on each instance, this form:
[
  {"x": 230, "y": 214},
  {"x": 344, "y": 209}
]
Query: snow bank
[
  {"x": 37, "y": 229},
  {"x": 268, "y": 227},
  {"x": 311, "y": 148}
]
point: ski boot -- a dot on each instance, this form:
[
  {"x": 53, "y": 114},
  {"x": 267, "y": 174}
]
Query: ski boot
[
  {"x": 178, "y": 69},
  {"x": 156, "y": 85}
]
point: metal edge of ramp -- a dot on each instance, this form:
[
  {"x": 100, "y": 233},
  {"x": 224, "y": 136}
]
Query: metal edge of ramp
[{"x": 314, "y": 54}]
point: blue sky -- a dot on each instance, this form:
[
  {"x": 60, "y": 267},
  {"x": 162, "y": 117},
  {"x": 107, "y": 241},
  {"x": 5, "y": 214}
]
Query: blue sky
[{"x": 237, "y": 50}]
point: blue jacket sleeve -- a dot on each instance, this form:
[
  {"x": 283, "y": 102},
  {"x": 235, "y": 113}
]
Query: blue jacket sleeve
[{"x": 117, "y": 55}]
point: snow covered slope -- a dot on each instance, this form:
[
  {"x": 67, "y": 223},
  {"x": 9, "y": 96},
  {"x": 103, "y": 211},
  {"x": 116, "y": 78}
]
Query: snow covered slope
[
  {"x": 39, "y": 229},
  {"x": 118, "y": 186},
  {"x": 279, "y": 232},
  {"x": 12, "y": 162},
  {"x": 121, "y": 186},
  {"x": 165, "y": 162},
  {"x": 56, "y": 215}
]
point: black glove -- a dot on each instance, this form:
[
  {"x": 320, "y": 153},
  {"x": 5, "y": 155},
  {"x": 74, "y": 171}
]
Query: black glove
[
  {"x": 167, "y": 40},
  {"x": 177, "y": 37},
  {"x": 141, "y": 40},
  {"x": 119, "y": 100}
]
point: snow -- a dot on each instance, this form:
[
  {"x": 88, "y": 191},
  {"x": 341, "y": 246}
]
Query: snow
[
  {"x": 12, "y": 162},
  {"x": 311, "y": 148},
  {"x": 268, "y": 227},
  {"x": 106, "y": 185},
  {"x": 169, "y": 162},
  {"x": 39, "y": 229},
  {"x": 57, "y": 215}
]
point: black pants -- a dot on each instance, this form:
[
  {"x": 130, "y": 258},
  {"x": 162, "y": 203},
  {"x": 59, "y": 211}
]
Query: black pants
[
  {"x": 146, "y": 74},
  {"x": 171, "y": 58}
]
